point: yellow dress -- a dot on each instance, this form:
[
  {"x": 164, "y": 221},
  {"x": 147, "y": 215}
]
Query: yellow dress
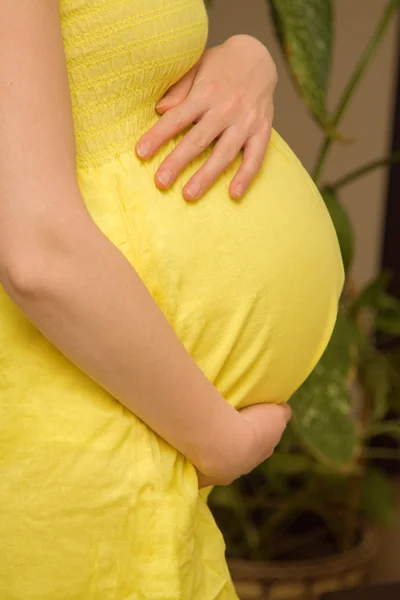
[{"x": 93, "y": 505}]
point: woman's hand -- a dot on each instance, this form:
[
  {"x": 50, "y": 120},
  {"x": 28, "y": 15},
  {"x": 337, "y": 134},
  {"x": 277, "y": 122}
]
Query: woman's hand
[
  {"x": 265, "y": 424},
  {"x": 228, "y": 95}
]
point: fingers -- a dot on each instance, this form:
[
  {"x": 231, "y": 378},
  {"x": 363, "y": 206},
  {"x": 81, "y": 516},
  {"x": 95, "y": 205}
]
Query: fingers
[
  {"x": 169, "y": 125},
  {"x": 269, "y": 421},
  {"x": 253, "y": 158},
  {"x": 193, "y": 144},
  {"x": 266, "y": 424},
  {"x": 178, "y": 115},
  {"x": 178, "y": 92},
  {"x": 224, "y": 153}
]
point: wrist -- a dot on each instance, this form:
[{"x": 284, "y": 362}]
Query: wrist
[
  {"x": 231, "y": 455},
  {"x": 243, "y": 40}
]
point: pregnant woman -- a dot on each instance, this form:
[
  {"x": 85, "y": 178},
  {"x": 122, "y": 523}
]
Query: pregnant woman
[{"x": 146, "y": 341}]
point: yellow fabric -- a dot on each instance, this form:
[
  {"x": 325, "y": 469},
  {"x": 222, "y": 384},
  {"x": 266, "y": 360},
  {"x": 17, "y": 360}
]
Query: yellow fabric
[{"x": 93, "y": 505}]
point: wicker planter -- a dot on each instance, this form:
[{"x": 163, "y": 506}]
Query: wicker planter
[{"x": 303, "y": 580}]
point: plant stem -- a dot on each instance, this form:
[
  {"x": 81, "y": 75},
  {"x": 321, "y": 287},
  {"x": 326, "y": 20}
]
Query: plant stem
[
  {"x": 353, "y": 82},
  {"x": 367, "y": 168},
  {"x": 388, "y": 427}
]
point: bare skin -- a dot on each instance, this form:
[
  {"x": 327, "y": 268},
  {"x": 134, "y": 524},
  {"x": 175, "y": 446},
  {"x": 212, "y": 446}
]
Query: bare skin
[
  {"x": 228, "y": 95},
  {"x": 55, "y": 264}
]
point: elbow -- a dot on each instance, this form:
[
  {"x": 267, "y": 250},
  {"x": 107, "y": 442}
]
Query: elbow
[
  {"x": 32, "y": 267},
  {"x": 24, "y": 273},
  {"x": 28, "y": 267}
]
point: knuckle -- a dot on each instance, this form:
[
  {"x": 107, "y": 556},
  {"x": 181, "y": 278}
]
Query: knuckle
[
  {"x": 199, "y": 141},
  {"x": 175, "y": 119},
  {"x": 228, "y": 153},
  {"x": 176, "y": 161},
  {"x": 248, "y": 125},
  {"x": 264, "y": 123},
  {"x": 208, "y": 88},
  {"x": 229, "y": 107},
  {"x": 231, "y": 155},
  {"x": 252, "y": 114},
  {"x": 196, "y": 105},
  {"x": 265, "y": 128},
  {"x": 254, "y": 162}
]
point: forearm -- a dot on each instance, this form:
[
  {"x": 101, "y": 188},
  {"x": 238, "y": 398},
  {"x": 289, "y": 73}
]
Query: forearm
[
  {"x": 75, "y": 286},
  {"x": 81, "y": 292}
]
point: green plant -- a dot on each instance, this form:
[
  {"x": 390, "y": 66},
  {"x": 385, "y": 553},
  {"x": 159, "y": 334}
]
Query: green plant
[{"x": 323, "y": 478}]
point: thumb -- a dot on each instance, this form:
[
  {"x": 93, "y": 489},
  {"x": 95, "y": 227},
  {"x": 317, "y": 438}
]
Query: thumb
[{"x": 178, "y": 92}]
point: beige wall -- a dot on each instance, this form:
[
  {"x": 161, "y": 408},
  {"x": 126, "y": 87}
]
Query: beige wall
[{"x": 368, "y": 120}]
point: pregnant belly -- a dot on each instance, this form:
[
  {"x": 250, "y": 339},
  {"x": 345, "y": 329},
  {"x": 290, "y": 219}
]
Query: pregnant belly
[{"x": 251, "y": 287}]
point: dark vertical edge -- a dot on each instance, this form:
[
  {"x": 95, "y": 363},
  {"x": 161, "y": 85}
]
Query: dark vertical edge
[
  {"x": 391, "y": 240},
  {"x": 391, "y": 247}
]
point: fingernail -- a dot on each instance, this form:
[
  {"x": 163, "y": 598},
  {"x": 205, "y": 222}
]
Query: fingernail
[
  {"x": 193, "y": 190},
  {"x": 239, "y": 190},
  {"x": 164, "y": 177},
  {"x": 143, "y": 149}
]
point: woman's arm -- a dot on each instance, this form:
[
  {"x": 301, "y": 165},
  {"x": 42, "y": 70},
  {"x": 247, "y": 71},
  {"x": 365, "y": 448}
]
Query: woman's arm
[{"x": 75, "y": 285}]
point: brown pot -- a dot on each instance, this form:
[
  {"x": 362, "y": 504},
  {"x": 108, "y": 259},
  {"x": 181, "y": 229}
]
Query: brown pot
[{"x": 303, "y": 580}]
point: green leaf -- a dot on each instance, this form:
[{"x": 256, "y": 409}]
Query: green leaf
[
  {"x": 304, "y": 29},
  {"x": 388, "y": 324},
  {"x": 378, "y": 498},
  {"x": 339, "y": 353},
  {"x": 341, "y": 221},
  {"x": 388, "y": 315},
  {"x": 375, "y": 373},
  {"x": 370, "y": 296},
  {"x": 281, "y": 463},
  {"x": 322, "y": 406},
  {"x": 386, "y": 306},
  {"x": 228, "y": 497}
]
